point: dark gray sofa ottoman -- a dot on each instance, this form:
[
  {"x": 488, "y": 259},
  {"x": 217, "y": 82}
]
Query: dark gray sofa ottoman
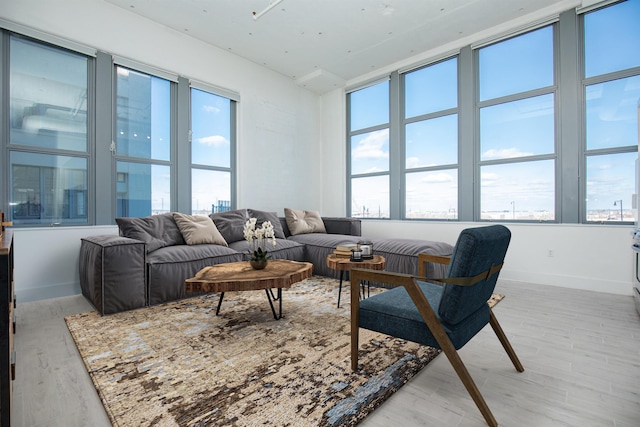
[{"x": 112, "y": 273}]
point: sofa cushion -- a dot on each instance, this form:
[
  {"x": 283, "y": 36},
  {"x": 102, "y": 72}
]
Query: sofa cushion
[
  {"x": 284, "y": 249},
  {"x": 303, "y": 222},
  {"x": 317, "y": 246},
  {"x": 231, "y": 224},
  {"x": 157, "y": 231},
  {"x": 262, "y": 216},
  {"x": 198, "y": 229}
]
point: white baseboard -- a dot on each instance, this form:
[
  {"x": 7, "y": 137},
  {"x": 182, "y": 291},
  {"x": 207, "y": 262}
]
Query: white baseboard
[
  {"x": 572, "y": 282},
  {"x": 46, "y": 292}
]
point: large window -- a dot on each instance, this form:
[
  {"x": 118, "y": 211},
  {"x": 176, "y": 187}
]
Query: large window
[
  {"x": 143, "y": 143},
  {"x": 211, "y": 152},
  {"x": 517, "y": 128},
  {"x": 611, "y": 88},
  {"x": 88, "y": 136},
  {"x": 530, "y": 127},
  {"x": 48, "y": 138},
  {"x": 369, "y": 151},
  {"x": 431, "y": 141}
]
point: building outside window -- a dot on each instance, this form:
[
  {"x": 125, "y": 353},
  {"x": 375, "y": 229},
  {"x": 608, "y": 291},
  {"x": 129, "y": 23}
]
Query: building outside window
[
  {"x": 143, "y": 143},
  {"x": 211, "y": 152},
  {"x": 48, "y": 138}
]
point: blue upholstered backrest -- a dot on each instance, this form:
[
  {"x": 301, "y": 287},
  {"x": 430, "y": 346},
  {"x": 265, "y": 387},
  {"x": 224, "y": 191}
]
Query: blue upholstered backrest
[{"x": 476, "y": 250}]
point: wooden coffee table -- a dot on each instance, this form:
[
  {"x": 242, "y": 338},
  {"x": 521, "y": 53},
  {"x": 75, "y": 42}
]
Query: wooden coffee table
[
  {"x": 240, "y": 276},
  {"x": 343, "y": 264}
]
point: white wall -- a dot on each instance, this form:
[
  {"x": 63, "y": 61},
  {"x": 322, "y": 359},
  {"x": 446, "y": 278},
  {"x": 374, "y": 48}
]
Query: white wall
[{"x": 592, "y": 257}]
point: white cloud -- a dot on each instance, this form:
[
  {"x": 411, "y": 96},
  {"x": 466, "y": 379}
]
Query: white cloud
[
  {"x": 210, "y": 109},
  {"x": 371, "y": 147},
  {"x": 413, "y": 162},
  {"x": 437, "y": 178},
  {"x": 489, "y": 179},
  {"x": 505, "y": 153},
  {"x": 214, "y": 140}
]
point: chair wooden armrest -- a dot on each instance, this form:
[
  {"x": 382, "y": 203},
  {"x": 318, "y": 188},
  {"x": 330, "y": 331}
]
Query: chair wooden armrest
[
  {"x": 394, "y": 279},
  {"x": 423, "y": 259}
]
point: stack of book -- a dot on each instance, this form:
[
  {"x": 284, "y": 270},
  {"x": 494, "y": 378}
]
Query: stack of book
[{"x": 344, "y": 250}]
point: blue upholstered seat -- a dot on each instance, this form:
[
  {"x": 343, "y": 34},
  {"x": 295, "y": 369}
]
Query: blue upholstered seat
[{"x": 444, "y": 316}]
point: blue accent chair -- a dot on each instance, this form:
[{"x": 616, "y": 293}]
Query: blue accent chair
[{"x": 444, "y": 315}]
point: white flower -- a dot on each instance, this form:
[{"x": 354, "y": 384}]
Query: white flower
[{"x": 257, "y": 238}]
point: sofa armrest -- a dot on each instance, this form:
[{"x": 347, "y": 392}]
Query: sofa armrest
[
  {"x": 113, "y": 272},
  {"x": 333, "y": 225},
  {"x": 343, "y": 225}
]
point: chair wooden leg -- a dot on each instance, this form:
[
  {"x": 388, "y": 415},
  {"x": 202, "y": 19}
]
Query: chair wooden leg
[
  {"x": 468, "y": 382},
  {"x": 438, "y": 332},
  {"x": 505, "y": 342},
  {"x": 355, "y": 321}
]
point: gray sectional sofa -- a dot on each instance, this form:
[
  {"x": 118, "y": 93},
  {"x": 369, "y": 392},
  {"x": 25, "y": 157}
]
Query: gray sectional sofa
[{"x": 149, "y": 261}]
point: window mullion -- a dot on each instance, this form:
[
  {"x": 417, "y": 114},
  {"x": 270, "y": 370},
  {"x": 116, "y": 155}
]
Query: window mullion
[{"x": 104, "y": 166}]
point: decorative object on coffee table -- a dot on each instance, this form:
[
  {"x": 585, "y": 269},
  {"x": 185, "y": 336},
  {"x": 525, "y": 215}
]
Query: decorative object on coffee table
[
  {"x": 242, "y": 276},
  {"x": 257, "y": 240},
  {"x": 342, "y": 264},
  {"x": 366, "y": 247},
  {"x": 258, "y": 264}
]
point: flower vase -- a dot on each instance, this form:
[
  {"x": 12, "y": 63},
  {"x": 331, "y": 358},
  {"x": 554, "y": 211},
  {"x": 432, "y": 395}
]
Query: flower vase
[{"x": 258, "y": 264}]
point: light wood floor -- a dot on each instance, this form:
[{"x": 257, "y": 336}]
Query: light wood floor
[{"x": 580, "y": 350}]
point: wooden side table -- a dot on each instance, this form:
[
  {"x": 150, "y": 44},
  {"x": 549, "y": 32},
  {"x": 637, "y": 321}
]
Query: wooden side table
[{"x": 343, "y": 264}]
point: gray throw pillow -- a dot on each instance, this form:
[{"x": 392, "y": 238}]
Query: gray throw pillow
[
  {"x": 231, "y": 224},
  {"x": 303, "y": 222},
  {"x": 157, "y": 231},
  {"x": 198, "y": 229},
  {"x": 262, "y": 216}
]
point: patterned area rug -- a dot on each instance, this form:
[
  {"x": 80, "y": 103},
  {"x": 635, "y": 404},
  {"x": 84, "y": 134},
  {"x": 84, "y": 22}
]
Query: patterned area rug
[{"x": 179, "y": 364}]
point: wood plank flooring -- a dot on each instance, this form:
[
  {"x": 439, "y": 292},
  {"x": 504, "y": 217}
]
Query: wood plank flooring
[{"x": 580, "y": 351}]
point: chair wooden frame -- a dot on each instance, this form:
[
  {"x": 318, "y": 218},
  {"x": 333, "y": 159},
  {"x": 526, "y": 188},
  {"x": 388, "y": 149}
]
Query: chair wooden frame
[{"x": 410, "y": 284}]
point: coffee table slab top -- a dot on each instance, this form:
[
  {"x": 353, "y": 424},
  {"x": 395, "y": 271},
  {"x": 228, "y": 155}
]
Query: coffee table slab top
[
  {"x": 240, "y": 276},
  {"x": 339, "y": 263}
]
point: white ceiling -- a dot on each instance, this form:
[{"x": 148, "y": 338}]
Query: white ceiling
[{"x": 322, "y": 44}]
